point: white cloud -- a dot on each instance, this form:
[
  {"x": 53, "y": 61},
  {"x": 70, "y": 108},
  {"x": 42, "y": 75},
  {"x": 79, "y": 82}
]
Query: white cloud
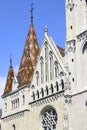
[{"x": 2, "y": 85}]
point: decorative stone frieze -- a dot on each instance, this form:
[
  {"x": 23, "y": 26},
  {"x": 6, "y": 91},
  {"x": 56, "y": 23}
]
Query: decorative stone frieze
[{"x": 71, "y": 46}]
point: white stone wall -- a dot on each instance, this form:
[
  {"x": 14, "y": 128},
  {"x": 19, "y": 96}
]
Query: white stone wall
[
  {"x": 76, "y": 16},
  {"x": 37, "y": 108},
  {"x": 15, "y": 95},
  {"x": 78, "y": 112},
  {"x": 20, "y": 120}
]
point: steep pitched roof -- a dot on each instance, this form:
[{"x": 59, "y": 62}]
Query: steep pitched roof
[
  {"x": 61, "y": 50},
  {"x": 29, "y": 57},
  {"x": 10, "y": 77}
]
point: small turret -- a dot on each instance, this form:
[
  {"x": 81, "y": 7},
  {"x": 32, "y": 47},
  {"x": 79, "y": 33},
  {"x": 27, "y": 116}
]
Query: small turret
[{"x": 10, "y": 77}]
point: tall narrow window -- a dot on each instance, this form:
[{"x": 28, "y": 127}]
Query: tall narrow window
[
  {"x": 17, "y": 103},
  {"x": 42, "y": 70},
  {"x": 46, "y": 64},
  {"x": 47, "y": 91},
  {"x": 23, "y": 99},
  {"x": 5, "y": 106},
  {"x": 13, "y": 127},
  {"x": 42, "y": 92},
  {"x": 62, "y": 83},
  {"x": 51, "y": 66},
  {"x": 56, "y": 70},
  {"x": 52, "y": 88},
  {"x": 57, "y": 86},
  {"x": 37, "y": 78},
  {"x": 37, "y": 94},
  {"x": 33, "y": 95}
]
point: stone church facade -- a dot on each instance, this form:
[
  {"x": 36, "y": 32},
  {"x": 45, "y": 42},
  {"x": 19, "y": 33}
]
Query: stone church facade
[{"x": 50, "y": 90}]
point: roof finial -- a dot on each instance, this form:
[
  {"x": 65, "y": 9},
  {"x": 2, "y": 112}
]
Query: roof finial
[
  {"x": 31, "y": 13},
  {"x": 45, "y": 30},
  {"x": 10, "y": 60}
]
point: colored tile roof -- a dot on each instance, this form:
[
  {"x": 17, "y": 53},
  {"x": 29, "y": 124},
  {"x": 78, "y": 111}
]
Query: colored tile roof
[
  {"x": 10, "y": 77},
  {"x": 29, "y": 57}
]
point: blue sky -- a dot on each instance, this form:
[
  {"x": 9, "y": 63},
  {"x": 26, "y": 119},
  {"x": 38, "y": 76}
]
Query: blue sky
[{"x": 14, "y": 26}]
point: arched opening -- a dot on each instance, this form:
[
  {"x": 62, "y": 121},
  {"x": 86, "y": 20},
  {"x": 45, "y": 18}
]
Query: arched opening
[
  {"x": 23, "y": 99},
  {"x": 52, "y": 90},
  {"x": 37, "y": 78},
  {"x": 57, "y": 86},
  {"x": 47, "y": 91},
  {"x": 42, "y": 92},
  {"x": 42, "y": 70},
  {"x": 49, "y": 118},
  {"x": 13, "y": 127},
  {"x": 84, "y": 50},
  {"x": 5, "y": 106},
  {"x": 33, "y": 95},
  {"x": 62, "y": 83}
]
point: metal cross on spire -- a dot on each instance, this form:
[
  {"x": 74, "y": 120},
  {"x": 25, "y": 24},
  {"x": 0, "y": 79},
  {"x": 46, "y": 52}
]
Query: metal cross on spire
[
  {"x": 31, "y": 11},
  {"x": 10, "y": 60}
]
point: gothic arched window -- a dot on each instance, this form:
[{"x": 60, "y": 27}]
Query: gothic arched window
[
  {"x": 5, "y": 106},
  {"x": 42, "y": 92},
  {"x": 49, "y": 119},
  {"x": 47, "y": 91},
  {"x": 62, "y": 83},
  {"x": 46, "y": 63},
  {"x": 13, "y": 127},
  {"x": 84, "y": 48},
  {"x": 57, "y": 86},
  {"x": 52, "y": 88},
  {"x": 51, "y": 66},
  {"x": 37, "y": 77},
  {"x": 56, "y": 70},
  {"x": 23, "y": 99},
  {"x": 42, "y": 70},
  {"x": 33, "y": 95},
  {"x": 37, "y": 94}
]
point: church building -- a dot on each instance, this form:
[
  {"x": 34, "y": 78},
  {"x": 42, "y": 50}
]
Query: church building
[{"x": 49, "y": 91}]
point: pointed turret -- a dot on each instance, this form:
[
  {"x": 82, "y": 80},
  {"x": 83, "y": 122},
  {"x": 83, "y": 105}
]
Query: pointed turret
[
  {"x": 9, "y": 81},
  {"x": 29, "y": 57}
]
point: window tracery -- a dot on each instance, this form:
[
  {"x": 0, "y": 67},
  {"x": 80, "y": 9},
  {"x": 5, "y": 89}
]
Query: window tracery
[{"x": 49, "y": 119}]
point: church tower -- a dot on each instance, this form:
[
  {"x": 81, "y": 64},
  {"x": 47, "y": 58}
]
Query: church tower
[{"x": 76, "y": 43}]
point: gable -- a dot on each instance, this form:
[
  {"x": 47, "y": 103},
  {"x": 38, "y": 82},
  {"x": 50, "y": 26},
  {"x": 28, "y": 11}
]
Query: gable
[{"x": 49, "y": 69}]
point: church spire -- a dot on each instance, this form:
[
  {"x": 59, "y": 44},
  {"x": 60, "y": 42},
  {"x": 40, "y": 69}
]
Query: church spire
[
  {"x": 31, "y": 11},
  {"x": 29, "y": 56},
  {"x": 10, "y": 77}
]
